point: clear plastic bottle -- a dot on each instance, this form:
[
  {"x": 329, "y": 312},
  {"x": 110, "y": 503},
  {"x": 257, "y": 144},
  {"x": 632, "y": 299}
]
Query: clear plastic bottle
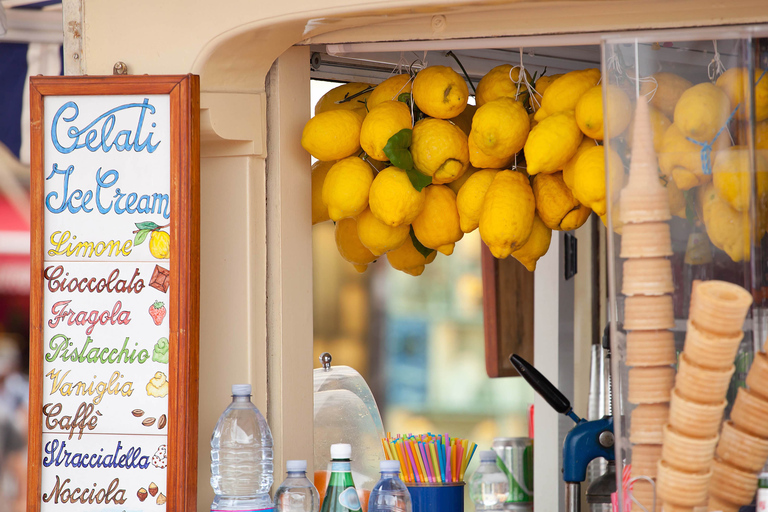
[
  {"x": 390, "y": 493},
  {"x": 296, "y": 493},
  {"x": 241, "y": 456},
  {"x": 488, "y": 486},
  {"x": 341, "y": 495}
]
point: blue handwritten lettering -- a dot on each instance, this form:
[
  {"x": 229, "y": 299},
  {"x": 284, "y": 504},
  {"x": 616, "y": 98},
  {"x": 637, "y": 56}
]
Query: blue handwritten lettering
[{"x": 57, "y": 455}]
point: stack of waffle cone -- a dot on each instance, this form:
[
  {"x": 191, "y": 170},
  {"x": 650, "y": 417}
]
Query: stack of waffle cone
[
  {"x": 648, "y": 310},
  {"x": 689, "y": 474}
]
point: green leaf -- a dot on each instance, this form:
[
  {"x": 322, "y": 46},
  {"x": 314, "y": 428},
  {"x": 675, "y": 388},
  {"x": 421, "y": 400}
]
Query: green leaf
[
  {"x": 146, "y": 225},
  {"x": 418, "y": 180},
  {"x": 424, "y": 251},
  {"x": 396, "y": 149},
  {"x": 141, "y": 236}
]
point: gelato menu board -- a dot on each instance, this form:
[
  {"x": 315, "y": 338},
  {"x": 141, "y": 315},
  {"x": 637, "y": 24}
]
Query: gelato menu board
[{"x": 114, "y": 360}]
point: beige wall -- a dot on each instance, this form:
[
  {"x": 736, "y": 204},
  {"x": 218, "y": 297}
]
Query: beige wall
[{"x": 256, "y": 318}]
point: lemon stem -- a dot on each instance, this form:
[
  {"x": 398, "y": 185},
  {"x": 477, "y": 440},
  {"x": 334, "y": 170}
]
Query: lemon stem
[{"x": 451, "y": 54}]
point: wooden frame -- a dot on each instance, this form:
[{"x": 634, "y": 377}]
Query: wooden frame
[
  {"x": 507, "y": 313},
  {"x": 183, "y": 314}
]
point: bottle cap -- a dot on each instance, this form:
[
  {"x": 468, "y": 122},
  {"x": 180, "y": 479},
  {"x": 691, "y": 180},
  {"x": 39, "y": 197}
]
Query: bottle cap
[
  {"x": 389, "y": 466},
  {"x": 241, "y": 390},
  {"x": 487, "y": 456},
  {"x": 341, "y": 451},
  {"x": 296, "y": 465}
]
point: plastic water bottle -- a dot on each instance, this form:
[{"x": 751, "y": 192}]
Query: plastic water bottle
[
  {"x": 488, "y": 486},
  {"x": 341, "y": 495},
  {"x": 241, "y": 456},
  {"x": 296, "y": 493},
  {"x": 390, "y": 493}
]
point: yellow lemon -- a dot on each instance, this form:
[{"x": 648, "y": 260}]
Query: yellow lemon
[
  {"x": 334, "y": 99},
  {"x": 536, "y": 246},
  {"x": 733, "y": 179},
  {"x": 680, "y": 159},
  {"x": 390, "y": 89},
  {"x": 500, "y": 128},
  {"x": 457, "y": 184},
  {"x": 319, "y": 210},
  {"x": 437, "y": 227},
  {"x": 552, "y": 142},
  {"x": 439, "y": 149},
  {"x": 464, "y": 120},
  {"x": 382, "y": 122},
  {"x": 659, "y": 125},
  {"x": 349, "y": 245},
  {"x": 541, "y": 85},
  {"x": 469, "y": 200},
  {"x": 564, "y": 93},
  {"x": 664, "y": 91},
  {"x": 728, "y": 229},
  {"x": 555, "y": 204},
  {"x": 507, "y": 215},
  {"x": 734, "y": 83},
  {"x": 498, "y": 83},
  {"x": 481, "y": 160},
  {"x": 332, "y": 135},
  {"x": 618, "y": 226},
  {"x": 440, "y": 92},
  {"x": 392, "y": 198},
  {"x": 346, "y": 187},
  {"x": 379, "y": 237},
  {"x": 409, "y": 260},
  {"x": 702, "y": 111},
  {"x": 586, "y": 143},
  {"x": 677, "y": 201},
  {"x": 589, "y": 112},
  {"x": 160, "y": 244},
  {"x": 589, "y": 187}
]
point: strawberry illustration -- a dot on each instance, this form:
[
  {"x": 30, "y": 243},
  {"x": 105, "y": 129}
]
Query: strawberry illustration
[{"x": 157, "y": 312}]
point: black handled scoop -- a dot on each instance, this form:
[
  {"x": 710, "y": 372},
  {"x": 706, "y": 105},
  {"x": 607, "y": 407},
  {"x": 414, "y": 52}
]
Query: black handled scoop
[{"x": 543, "y": 387}]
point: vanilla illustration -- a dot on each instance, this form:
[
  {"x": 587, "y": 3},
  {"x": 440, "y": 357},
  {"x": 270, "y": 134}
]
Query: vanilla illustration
[{"x": 158, "y": 385}]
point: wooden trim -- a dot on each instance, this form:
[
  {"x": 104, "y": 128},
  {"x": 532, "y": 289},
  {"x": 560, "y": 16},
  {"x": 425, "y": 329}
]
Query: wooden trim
[
  {"x": 184, "y": 92},
  {"x": 490, "y": 270}
]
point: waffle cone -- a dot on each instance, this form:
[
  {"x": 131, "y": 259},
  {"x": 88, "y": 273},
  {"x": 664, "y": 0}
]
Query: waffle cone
[
  {"x": 650, "y": 385},
  {"x": 732, "y": 484},
  {"x": 757, "y": 378},
  {"x": 681, "y": 487},
  {"x": 692, "y": 454},
  {"x": 709, "y": 350},
  {"x": 645, "y": 458},
  {"x": 646, "y": 240},
  {"x": 741, "y": 449},
  {"x": 750, "y": 413},
  {"x": 648, "y": 313},
  {"x": 715, "y": 504},
  {"x": 702, "y": 384},
  {"x": 642, "y": 491},
  {"x": 647, "y": 276},
  {"x": 644, "y": 205},
  {"x": 693, "y": 418},
  {"x": 646, "y": 424},
  {"x": 719, "y": 307},
  {"x": 650, "y": 348}
]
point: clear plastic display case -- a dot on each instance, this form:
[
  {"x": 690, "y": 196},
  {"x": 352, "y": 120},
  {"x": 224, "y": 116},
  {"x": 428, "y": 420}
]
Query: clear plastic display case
[{"x": 686, "y": 150}]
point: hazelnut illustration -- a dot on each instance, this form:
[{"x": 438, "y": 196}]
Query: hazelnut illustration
[
  {"x": 161, "y": 499},
  {"x": 142, "y": 494},
  {"x": 153, "y": 489}
]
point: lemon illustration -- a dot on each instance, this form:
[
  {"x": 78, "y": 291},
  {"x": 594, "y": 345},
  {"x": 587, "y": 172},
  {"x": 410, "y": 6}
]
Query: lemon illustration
[
  {"x": 734, "y": 83},
  {"x": 555, "y": 204},
  {"x": 702, "y": 111},
  {"x": 381, "y": 123},
  {"x": 332, "y": 100},
  {"x": 408, "y": 259},
  {"x": 392, "y": 198},
  {"x": 332, "y": 135},
  {"x": 589, "y": 112},
  {"x": 346, "y": 187},
  {"x": 349, "y": 245},
  {"x": 160, "y": 244},
  {"x": 469, "y": 200},
  {"x": 498, "y": 83},
  {"x": 664, "y": 91},
  {"x": 440, "y": 92},
  {"x": 500, "y": 128},
  {"x": 536, "y": 246},
  {"x": 552, "y": 142},
  {"x": 390, "y": 89},
  {"x": 733, "y": 178},
  {"x": 437, "y": 226},
  {"x": 589, "y": 186},
  {"x": 379, "y": 237},
  {"x": 439, "y": 149},
  {"x": 319, "y": 210},
  {"x": 507, "y": 215},
  {"x": 564, "y": 93}
]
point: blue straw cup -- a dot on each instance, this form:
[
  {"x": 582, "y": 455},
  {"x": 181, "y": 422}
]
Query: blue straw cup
[{"x": 447, "y": 497}]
